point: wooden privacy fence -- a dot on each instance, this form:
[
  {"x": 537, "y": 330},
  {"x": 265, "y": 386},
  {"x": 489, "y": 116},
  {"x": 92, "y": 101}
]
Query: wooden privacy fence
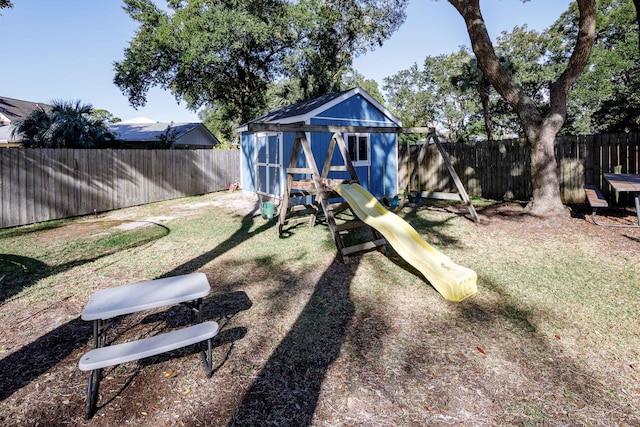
[
  {"x": 501, "y": 169},
  {"x": 44, "y": 184}
]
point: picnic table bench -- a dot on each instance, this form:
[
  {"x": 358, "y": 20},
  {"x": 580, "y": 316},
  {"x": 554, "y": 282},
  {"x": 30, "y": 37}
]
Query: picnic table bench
[
  {"x": 595, "y": 199},
  {"x": 104, "y": 305}
]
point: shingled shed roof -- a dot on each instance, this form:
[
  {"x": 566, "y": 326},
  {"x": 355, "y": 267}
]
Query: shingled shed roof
[
  {"x": 298, "y": 109},
  {"x": 301, "y": 112}
]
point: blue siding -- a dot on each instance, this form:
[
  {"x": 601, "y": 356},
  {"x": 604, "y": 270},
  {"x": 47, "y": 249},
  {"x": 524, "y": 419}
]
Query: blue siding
[
  {"x": 355, "y": 111},
  {"x": 247, "y": 162},
  {"x": 380, "y": 178}
]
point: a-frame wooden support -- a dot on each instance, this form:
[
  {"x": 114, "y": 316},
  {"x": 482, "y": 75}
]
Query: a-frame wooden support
[
  {"x": 445, "y": 156},
  {"x": 320, "y": 186}
]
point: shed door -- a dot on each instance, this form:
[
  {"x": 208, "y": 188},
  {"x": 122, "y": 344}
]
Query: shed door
[{"x": 268, "y": 164}]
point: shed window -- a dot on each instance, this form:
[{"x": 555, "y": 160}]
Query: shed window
[{"x": 358, "y": 148}]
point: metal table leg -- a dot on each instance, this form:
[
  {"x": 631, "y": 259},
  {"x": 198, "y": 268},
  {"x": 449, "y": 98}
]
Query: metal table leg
[{"x": 99, "y": 340}]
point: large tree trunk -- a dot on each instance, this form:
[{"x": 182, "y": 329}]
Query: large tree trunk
[
  {"x": 546, "y": 199},
  {"x": 540, "y": 130}
]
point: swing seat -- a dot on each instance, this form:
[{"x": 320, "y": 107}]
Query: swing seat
[{"x": 268, "y": 210}]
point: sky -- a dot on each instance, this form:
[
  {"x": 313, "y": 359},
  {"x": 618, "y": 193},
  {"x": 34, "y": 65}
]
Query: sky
[{"x": 65, "y": 49}]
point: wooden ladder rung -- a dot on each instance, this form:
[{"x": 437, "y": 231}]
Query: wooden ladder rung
[
  {"x": 294, "y": 194},
  {"x": 301, "y": 208},
  {"x": 363, "y": 247},
  {"x": 338, "y": 206},
  {"x": 298, "y": 220},
  {"x": 349, "y": 225}
]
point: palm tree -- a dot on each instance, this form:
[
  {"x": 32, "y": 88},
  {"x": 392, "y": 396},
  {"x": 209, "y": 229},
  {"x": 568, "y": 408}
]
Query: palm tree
[
  {"x": 33, "y": 127},
  {"x": 66, "y": 125}
]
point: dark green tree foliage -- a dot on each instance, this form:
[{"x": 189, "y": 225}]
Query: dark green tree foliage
[
  {"x": 66, "y": 125},
  {"x": 4, "y": 4},
  {"x": 472, "y": 78},
  {"x": 353, "y": 79},
  {"x": 208, "y": 53},
  {"x": 214, "y": 120},
  {"x": 604, "y": 98},
  {"x": 333, "y": 32},
  {"x": 615, "y": 73},
  {"x": 224, "y": 54},
  {"x": 426, "y": 96},
  {"x": 528, "y": 53}
]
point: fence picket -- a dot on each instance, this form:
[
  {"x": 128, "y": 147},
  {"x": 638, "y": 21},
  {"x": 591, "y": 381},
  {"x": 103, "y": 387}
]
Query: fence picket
[
  {"x": 501, "y": 169},
  {"x": 44, "y": 184}
]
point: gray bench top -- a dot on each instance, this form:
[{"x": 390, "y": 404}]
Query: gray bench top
[
  {"x": 147, "y": 347},
  {"x": 112, "y": 302}
]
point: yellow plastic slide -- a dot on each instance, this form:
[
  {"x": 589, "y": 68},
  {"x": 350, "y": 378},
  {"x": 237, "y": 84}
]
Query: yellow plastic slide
[{"x": 453, "y": 281}]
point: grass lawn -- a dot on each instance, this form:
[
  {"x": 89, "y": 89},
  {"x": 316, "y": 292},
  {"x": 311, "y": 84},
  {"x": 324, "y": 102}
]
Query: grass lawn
[{"x": 551, "y": 338}]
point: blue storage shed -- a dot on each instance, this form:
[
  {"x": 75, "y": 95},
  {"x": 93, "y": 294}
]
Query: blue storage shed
[{"x": 266, "y": 155}]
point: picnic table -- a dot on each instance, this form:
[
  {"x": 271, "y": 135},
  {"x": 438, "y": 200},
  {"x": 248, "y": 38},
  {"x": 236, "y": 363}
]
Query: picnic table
[
  {"x": 626, "y": 182},
  {"x": 107, "y": 304}
]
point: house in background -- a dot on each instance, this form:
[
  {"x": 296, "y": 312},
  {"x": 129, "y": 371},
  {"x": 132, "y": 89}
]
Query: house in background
[
  {"x": 135, "y": 133},
  {"x": 12, "y": 111},
  {"x": 265, "y": 155},
  {"x": 145, "y": 133}
]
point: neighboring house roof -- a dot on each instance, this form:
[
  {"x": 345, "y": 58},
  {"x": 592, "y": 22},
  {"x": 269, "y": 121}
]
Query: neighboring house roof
[
  {"x": 191, "y": 134},
  {"x": 5, "y": 134},
  {"x": 139, "y": 120},
  {"x": 12, "y": 110},
  {"x": 301, "y": 112}
]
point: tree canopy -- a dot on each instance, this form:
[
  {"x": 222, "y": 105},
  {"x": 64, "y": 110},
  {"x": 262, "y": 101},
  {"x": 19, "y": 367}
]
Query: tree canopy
[
  {"x": 540, "y": 125},
  {"x": 225, "y": 54}
]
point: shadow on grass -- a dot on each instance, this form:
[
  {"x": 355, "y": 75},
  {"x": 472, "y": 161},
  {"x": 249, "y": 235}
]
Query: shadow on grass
[
  {"x": 18, "y": 272},
  {"x": 34, "y": 359},
  {"x": 219, "y": 307},
  {"x": 542, "y": 360},
  {"x": 287, "y": 388}
]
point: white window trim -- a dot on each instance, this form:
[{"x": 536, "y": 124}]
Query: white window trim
[
  {"x": 270, "y": 163},
  {"x": 357, "y": 162}
]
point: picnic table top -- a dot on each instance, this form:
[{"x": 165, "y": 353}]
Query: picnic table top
[
  {"x": 623, "y": 181},
  {"x": 127, "y": 299}
]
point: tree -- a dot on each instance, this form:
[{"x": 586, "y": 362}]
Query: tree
[
  {"x": 105, "y": 116},
  {"x": 66, "y": 125},
  {"x": 353, "y": 79},
  {"x": 5, "y": 4},
  {"x": 609, "y": 87},
  {"x": 540, "y": 128},
  {"x": 214, "y": 120},
  {"x": 332, "y": 32},
  {"x": 225, "y": 54},
  {"x": 425, "y": 96},
  {"x": 472, "y": 77},
  {"x": 636, "y": 4},
  {"x": 530, "y": 67}
]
